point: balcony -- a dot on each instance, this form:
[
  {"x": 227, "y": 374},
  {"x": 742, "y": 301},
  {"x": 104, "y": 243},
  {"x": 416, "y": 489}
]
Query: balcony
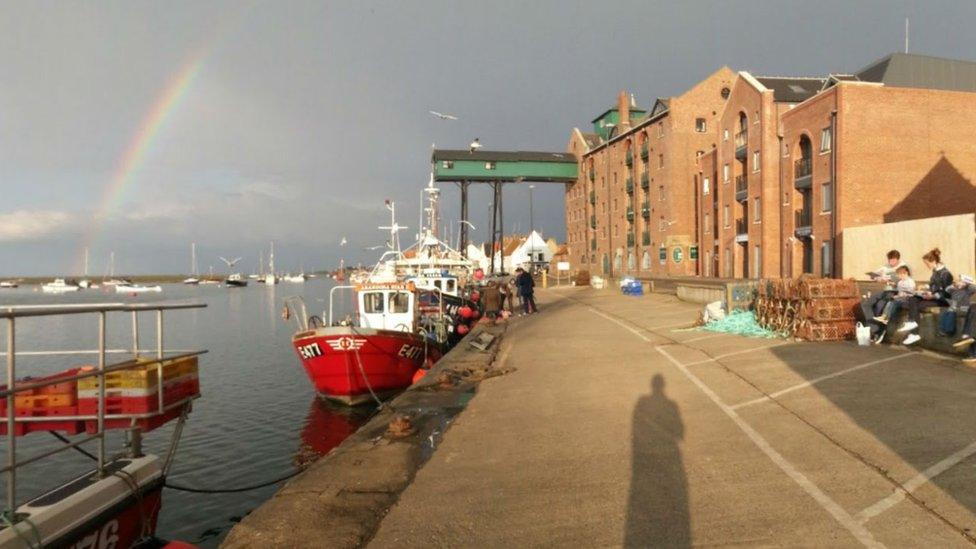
[
  {"x": 741, "y": 140},
  {"x": 645, "y": 182},
  {"x": 630, "y": 214},
  {"x": 592, "y": 243},
  {"x": 803, "y": 222},
  {"x": 630, "y": 240},
  {"x": 592, "y": 174},
  {"x": 741, "y": 188},
  {"x": 646, "y": 210},
  {"x": 592, "y": 221},
  {"x": 643, "y": 152},
  {"x": 593, "y": 197},
  {"x": 741, "y": 230},
  {"x": 803, "y": 173},
  {"x": 646, "y": 238},
  {"x": 629, "y": 185},
  {"x": 629, "y": 158}
]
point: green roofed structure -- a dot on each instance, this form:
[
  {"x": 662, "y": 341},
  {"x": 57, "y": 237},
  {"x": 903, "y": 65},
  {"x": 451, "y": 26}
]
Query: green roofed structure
[{"x": 466, "y": 167}]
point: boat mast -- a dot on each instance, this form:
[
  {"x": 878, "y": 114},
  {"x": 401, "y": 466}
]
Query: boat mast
[
  {"x": 271, "y": 268},
  {"x": 394, "y": 243},
  {"x": 86, "y": 261},
  {"x": 193, "y": 258}
]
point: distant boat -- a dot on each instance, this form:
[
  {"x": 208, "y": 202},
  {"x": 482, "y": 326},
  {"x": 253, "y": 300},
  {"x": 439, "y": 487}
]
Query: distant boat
[
  {"x": 194, "y": 279},
  {"x": 112, "y": 281},
  {"x": 59, "y": 286},
  {"x": 236, "y": 280},
  {"x": 299, "y": 278},
  {"x": 85, "y": 282},
  {"x": 8, "y": 284},
  {"x": 271, "y": 278},
  {"x": 136, "y": 288}
]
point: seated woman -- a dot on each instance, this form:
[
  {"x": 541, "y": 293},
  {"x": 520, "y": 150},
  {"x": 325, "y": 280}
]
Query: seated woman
[{"x": 936, "y": 296}]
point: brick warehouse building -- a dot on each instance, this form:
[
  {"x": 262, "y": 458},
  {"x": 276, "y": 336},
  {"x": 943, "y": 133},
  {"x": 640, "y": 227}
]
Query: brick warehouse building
[{"x": 761, "y": 177}]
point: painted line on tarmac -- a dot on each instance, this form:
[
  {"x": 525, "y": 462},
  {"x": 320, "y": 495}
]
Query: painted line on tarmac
[
  {"x": 856, "y": 528},
  {"x": 915, "y": 483},
  {"x": 814, "y": 381},
  {"x": 694, "y": 339},
  {"x": 734, "y": 353}
]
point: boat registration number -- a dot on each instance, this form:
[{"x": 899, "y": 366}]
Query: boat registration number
[
  {"x": 411, "y": 352},
  {"x": 311, "y": 350}
]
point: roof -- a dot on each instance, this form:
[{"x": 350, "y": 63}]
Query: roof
[
  {"x": 503, "y": 156},
  {"x": 792, "y": 89},
  {"x": 591, "y": 140},
  {"x": 633, "y": 108},
  {"x": 910, "y": 70}
]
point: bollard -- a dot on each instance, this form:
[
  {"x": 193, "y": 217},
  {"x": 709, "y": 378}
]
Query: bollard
[{"x": 545, "y": 280}]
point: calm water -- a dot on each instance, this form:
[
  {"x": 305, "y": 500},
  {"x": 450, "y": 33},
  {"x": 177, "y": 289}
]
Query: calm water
[{"x": 258, "y": 416}]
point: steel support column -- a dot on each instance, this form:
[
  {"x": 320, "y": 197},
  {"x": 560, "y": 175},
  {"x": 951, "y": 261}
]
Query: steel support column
[
  {"x": 463, "y": 236},
  {"x": 497, "y": 229}
]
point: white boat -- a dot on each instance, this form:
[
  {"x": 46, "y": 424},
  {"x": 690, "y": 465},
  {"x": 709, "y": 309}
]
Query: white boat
[
  {"x": 193, "y": 279},
  {"x": 111, "y": 280},
  {"x": 136, "y": 288},
  {"x": 297, "y": 279},
  {"x": 59, "y": 286},
  {"x": 86, "y": 284},
  {"x": 271, "y": 278},
  {"x": 8, "y": 284}
]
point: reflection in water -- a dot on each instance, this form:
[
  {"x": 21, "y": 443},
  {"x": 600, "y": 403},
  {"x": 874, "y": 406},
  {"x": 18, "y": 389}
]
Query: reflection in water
[
  {"x": 326, "y": 426},
  {"x": 657, "y": 511}
]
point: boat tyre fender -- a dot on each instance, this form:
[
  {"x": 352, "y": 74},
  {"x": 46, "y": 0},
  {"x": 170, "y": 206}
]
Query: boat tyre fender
[{"x": 315, "y": 322}]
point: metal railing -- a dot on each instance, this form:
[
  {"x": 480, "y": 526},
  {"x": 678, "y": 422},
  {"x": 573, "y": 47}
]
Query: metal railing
[
  {"x": 12, "y": 313},
  {"x": 741, "y": 227},
  {"x": 741, "y": 184},
  {"x": 802, "y": 168},
  {"x": 741, "y": 138},
  {"x": 803, "y": 218}
]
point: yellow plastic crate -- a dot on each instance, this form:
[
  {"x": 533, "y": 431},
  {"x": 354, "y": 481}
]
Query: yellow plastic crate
[{"x": 144, "y": 376}]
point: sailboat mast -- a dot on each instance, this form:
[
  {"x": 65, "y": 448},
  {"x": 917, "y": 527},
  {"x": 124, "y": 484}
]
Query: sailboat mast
[
  {"x": 86, "y": 261},
  {"x": 193, "y": 258},
  {"x": 271, "y": 267}
]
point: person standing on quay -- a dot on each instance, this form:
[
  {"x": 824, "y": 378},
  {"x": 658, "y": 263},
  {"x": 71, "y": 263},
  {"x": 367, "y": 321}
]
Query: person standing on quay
[{"x": 525, "y": 285}]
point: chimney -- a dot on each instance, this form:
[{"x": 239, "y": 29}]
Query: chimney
[{"x": 623, "y": 107}]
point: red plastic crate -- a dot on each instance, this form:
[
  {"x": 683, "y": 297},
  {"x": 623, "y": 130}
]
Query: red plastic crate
[
  {"x": 26, "y": 428},
  {"x": 141, "y": 405}
]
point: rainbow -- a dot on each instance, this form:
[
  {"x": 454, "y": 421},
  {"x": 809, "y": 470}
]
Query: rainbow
[{"x": 135, "y": 154}]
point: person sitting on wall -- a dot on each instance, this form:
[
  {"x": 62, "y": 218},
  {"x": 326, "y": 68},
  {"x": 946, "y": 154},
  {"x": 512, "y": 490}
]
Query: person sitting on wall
[
  {"x": 905, "y": 289},
  {"x": 969, "y": 326},
  {"x": 936, "y": 296},
  {"x": 874, "y": 305}
]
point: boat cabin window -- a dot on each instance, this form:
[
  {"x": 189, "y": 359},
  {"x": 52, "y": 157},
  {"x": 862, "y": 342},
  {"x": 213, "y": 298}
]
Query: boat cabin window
[
  {"x": 451, "y": 286},
  {"x": 373, "y": 302},
  {"x": 437, "y": 284},
  {"x": 399, "y": 302}
]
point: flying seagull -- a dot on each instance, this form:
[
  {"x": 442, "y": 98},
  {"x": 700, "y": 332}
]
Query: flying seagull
[
  {"x": 475, "y": 145},
  {"x": 343, "y": 242},
  {"x": 231, "y": 262},
  {"x": 443, "y": 116}
]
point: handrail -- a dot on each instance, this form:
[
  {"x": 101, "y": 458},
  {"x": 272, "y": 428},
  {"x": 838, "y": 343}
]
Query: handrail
[
  {"x": 331, "y": 300},
  {"x": 18, "y": 311}
]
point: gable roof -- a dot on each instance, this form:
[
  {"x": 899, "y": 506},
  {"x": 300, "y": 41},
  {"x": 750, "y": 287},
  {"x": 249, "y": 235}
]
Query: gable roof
[
  {"x": 591, "y": 140},
  {"x": 792, "y": 89},
  {"x": 910, "y": 70}
]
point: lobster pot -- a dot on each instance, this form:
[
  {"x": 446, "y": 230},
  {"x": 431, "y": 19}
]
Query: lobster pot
[
  {"x": 815, "y": 309},
  {"x": 831, "y": 330},
  {"x": 821, "y": 310},
  {"x": 821, "y": 288}
]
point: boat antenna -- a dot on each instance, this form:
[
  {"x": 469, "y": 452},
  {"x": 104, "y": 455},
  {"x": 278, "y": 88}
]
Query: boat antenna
[{"x": 394, "y": 228}]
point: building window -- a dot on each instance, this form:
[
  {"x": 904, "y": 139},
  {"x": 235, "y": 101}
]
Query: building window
[
  {"x": 661, "y": 224},
  {"x": 705, "y": 185},
  {"x": 755, "y": 161},
  {"x": 489, "y": 165},
  {"x": 757, "y": 212},
  {"x": 825, "y": 140},
  {"x": 786, "y": 198},
  {"x": 725, "y": 216},
  {"x": 701, "y": 126},
  {"x": 660, "y": 191},
  {"x": 646, "y": 260},
  {"x": 447, "y": 164},
  {"x": 757, "y": 257},
  {"x": 826, "y": 259},
  {"x": 660, "y": 161},
  {"x": 725, "y": 172},
  {"x": 826, "y": 198},
  {"x": 725, "y": 134}
]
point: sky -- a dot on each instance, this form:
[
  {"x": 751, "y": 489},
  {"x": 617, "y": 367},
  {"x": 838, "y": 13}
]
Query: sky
[{"x": 139, "y": 127}]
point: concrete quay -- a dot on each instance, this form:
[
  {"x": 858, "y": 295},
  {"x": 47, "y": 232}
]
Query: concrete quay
[{"x": 618, "y": 427}]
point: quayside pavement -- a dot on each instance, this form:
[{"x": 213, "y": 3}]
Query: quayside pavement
[{"x": 620, "y": 428}]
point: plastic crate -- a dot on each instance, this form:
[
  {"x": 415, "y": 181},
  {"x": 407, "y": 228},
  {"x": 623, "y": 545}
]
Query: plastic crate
[
  {"x": 172, "y": 392},
  {"x": 126, "y": 391},
  {"x": 143, "y": 375}
]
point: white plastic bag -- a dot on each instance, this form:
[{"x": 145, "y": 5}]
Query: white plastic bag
[
  {"x": 863, "y": 334},
  {"x": 713, "y": 311}
]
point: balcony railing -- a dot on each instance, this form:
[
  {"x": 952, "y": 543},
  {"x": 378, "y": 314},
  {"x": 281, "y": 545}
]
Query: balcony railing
[
  {"x": 646, "y": 238},
  {"x": 592, "y": 174},
  {"x": 592, "y": 243},
  {"x": 643, "y": 152},
  {"x": 741, "y": 139},
  {"x": 630, "y": 214},
  {"x": 741, "y": 227},
  {"x": 741, "y": 188},
  {"x": 629, "y": 184},
  {"x": 629, "y": 158},
  {"x": 645, "y": 182},
  {"x": 646, "y": 210},
  {"x": 803, "y": 173},
  {"x": 803, "y": 222},
  {"x": 630, "y": 239},
  {"x": 592, "y": 221},
  {"x": 592, "y": 197}
]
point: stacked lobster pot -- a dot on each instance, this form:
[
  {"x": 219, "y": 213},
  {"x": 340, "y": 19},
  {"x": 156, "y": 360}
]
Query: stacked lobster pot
[{"x": 815, "y": 309}]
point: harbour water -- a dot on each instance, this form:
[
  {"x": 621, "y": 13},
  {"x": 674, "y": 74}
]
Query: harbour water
[{"x": 257, "y": 419}]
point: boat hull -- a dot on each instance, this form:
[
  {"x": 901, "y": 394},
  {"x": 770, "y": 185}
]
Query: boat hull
[{"x": 344, "y": 363}]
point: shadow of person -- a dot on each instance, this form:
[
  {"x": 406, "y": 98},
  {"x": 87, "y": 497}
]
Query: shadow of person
[{"x": 657, "y": 510}]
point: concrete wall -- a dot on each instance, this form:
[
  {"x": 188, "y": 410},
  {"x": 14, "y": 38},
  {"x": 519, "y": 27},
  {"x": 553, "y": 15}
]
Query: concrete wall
[{"x": 954, "y": 235}]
